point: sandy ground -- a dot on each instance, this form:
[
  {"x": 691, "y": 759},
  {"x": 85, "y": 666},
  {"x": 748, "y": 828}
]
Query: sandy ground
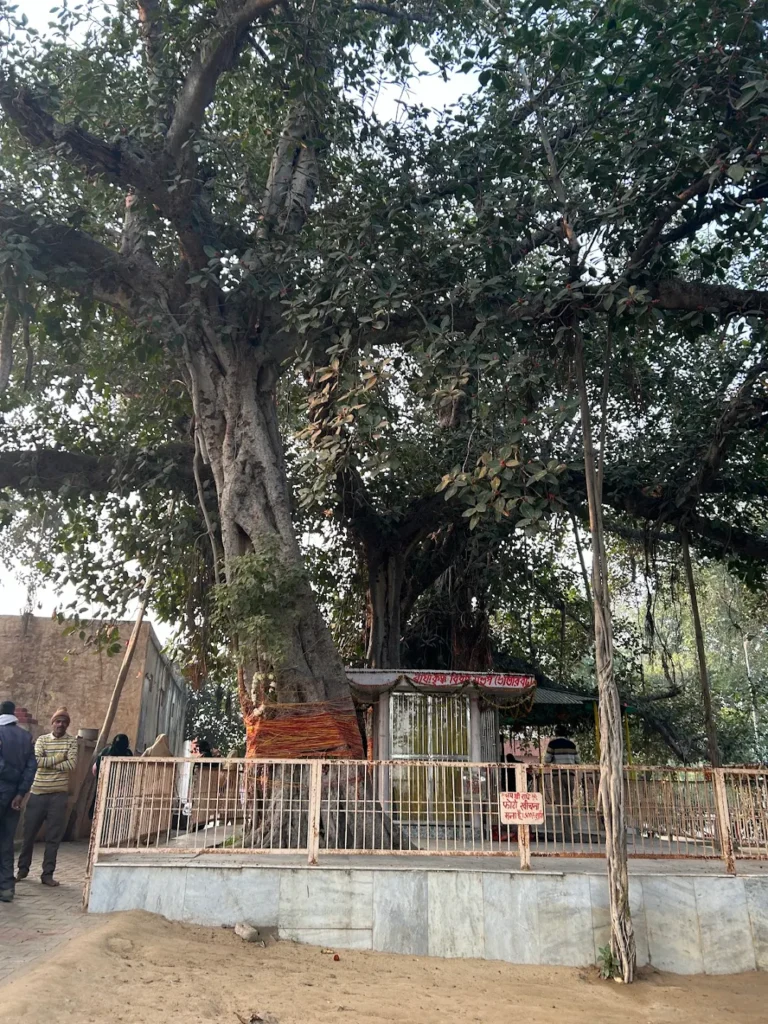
[{"x": 141, "y": 969}]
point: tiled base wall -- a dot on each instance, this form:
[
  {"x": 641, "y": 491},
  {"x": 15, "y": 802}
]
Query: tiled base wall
[{"x": 683, "y": 923}]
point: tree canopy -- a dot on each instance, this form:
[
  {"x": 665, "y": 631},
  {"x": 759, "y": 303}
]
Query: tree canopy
[{"x": 198, "y": 194}]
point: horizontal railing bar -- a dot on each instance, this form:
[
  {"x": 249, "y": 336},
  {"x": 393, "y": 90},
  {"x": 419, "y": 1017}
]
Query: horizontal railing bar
[
  {"x": 186, "y": 851},
  {"x": 534, "y": 766}
]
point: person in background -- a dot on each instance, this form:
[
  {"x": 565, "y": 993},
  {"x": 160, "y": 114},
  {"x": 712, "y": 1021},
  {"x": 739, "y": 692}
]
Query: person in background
[
  {"x": 56, "y": 755},
  {"x": 509, "y": 775},
  {"x": 17, "y": 770},
  {"x": 202, "y": 748},
  {"x": 507, "y": 784},
  {"x": 562, "y": 751},
  {"x": 119, "y": 747}
]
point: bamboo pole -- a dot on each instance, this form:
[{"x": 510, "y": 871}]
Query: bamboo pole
[
  {"x": 706, "y": 692},
  {"x": 122, "y": 675}
]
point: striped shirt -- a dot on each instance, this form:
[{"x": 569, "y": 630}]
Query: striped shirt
[
  {"x": 561, "y": 750},
  {"x": 56, "y": 760}
]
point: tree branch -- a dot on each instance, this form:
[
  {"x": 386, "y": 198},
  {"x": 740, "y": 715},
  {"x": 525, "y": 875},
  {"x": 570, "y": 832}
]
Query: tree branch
[
  {"x": 151, "y": 29},
  {"x": 123, "y": 163},
  {"x": 634, "y": 533},
  {"x": 390, "y": 12},
  {"x": 50, "y": 470},
  {"x": 736, "y": 412},
  {"x": 79, "y": 262},
  {"x": 7, "y": 329},
  {"x": 294, "y": 175},
  {"x": 685, "y": 750},
  {"x": 649, "y": 241},
  {"x": 357, "y": 510},
  {"x": 217, "y": 54},
  {"x": 426, "y": 567},
  {"x": 730, "y": 204},
  {"x": 696, "y": 296},
  {"x": 660, "y": 507}
]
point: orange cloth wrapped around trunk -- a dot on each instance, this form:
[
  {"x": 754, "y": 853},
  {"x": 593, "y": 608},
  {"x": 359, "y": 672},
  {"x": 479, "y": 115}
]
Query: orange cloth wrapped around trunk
[
  {"x": 322, "y": 729},
  {"x": 325, "y": 729}
]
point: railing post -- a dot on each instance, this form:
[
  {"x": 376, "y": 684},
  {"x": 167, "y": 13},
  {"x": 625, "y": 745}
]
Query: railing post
[
  {"x": 523, "y": 831},
  {"x": 315, "y": 795},
  {"x": 94, "y": 843},
  {"x": 723, "y": 817}
]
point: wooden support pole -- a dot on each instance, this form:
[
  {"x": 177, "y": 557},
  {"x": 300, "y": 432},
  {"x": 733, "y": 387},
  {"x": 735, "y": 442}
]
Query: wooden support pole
[
  {"x": 96, "y": 830},
  {"x": 315, "y": 798},
  {"x": 523, "y": 831},
  {"x": 122, "y": 675},
  {"x": 383, "y": 725},
  {"x": 723, "y": 821},
  {"x": 476, "y": 756},
  {"x": 706, "y": 692}
]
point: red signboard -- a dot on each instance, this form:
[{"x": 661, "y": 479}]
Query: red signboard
[
  {"x": 485, "y": 680},
  {"x": 521, "y": 808}
]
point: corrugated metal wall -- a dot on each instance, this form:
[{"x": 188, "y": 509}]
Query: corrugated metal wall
[{"x": 163, "y": 703}]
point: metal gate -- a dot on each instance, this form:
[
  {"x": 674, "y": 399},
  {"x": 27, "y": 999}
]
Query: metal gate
[{"x": 434, "y": 729}]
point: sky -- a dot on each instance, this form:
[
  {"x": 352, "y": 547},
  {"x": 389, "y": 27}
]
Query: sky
[{"x": 432, "y": 91}]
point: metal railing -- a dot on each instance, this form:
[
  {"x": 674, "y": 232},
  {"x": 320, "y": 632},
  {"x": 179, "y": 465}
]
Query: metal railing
[
  {"x": 746, "y": 799},
  {"x": 322, "y": 808}
]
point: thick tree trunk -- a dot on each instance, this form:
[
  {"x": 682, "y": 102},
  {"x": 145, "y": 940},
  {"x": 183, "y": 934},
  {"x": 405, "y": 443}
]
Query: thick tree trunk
[
  {"x": 611, "y": 739},
  {"x": 470, "y": 627},
  {"x": 294, "y": 692},
  {"x": 386, "y": 575},
  {"x": 301, "y": 700}
]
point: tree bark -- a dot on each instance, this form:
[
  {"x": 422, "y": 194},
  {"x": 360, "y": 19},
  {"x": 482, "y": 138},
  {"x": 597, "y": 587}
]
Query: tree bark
[
  {"x": 611, "y": 739},
  {"x": 706, "y": 692},
  {"x": 386, "y": 576},
  {"x": 470, "y": 626}
]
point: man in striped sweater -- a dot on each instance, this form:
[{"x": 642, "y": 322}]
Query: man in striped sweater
[{"x": 56, "y": 755}]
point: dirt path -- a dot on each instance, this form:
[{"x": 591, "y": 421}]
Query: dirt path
[
  {"x": 140, "y": 969},
  {"x": 40, "y": 919}
]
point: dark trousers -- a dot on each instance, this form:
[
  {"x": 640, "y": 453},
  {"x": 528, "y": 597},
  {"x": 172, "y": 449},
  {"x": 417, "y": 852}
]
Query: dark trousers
[
  {"x": 50, "y": 808},
  {"x": 563, "y": 785},
  {"x": 9, "y": 819}
]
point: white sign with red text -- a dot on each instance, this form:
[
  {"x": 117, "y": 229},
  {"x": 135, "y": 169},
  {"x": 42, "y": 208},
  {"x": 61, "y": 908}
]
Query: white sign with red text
[
  {"x": 521, "y": 808},
  {"x": 488, "y": 681}
]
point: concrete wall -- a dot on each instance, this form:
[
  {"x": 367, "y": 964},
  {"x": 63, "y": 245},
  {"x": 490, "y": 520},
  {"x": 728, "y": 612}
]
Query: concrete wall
[
  {"x": 687, "y": 924},
  {"x": 41, "y": 669}
]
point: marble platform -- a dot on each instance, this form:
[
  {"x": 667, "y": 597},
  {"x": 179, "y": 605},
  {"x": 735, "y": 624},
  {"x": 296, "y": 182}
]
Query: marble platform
[{"x": 684, "y": 922}]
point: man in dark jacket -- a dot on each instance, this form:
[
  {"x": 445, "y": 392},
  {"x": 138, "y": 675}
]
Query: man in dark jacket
[
  {"x": 563, "y": 751},
  {"x": 17, "y": 771}
]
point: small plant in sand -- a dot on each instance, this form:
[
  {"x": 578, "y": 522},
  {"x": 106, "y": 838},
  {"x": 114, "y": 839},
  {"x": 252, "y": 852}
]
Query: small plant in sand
[{"x": 607, "y": 963}]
